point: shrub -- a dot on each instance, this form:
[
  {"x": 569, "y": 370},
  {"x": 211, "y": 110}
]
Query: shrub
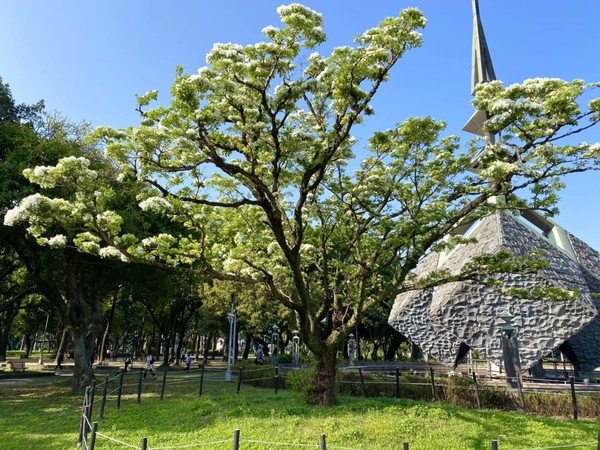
[{"x": 302, "y": 384}]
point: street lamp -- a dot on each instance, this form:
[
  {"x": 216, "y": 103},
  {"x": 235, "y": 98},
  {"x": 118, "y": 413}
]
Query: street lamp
[
  {"x": 44, "y": 339},
  {"x": 351, "y": 344},
  {"x": 232, "y": 318},
  {"x": 296, "y": 348},
  {"x": 275, "y": 346},
  {"x": 510, "y": 351}
]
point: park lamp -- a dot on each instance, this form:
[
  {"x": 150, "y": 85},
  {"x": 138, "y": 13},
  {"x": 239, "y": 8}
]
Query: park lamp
[
  {"x": 296, "y": 348},
  {"x": 507, "y": 327},
  {"x": 231, "y": 317},
  {"x": 275, "y": 345},
  {"x": 351, "y": 347}
]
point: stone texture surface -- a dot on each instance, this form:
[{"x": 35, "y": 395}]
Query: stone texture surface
[{"x": 440, "y": 319}]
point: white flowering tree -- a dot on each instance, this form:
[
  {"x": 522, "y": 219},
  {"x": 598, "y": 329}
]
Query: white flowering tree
[{"x": 251, "y": 163}]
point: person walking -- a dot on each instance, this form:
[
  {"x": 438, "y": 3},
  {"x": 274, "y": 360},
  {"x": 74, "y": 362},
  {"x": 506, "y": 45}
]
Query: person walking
[
  {"x": 60, "y": 357},
  {"x": 260, "y": 356},
  {"x": 150, "y": 365}
]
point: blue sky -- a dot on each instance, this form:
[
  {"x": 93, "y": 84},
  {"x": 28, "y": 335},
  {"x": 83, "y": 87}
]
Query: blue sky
[{"x": 88, "y": 59}]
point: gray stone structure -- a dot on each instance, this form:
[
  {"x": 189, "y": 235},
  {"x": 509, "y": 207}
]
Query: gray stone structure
[{"x": 447, "y": 321}]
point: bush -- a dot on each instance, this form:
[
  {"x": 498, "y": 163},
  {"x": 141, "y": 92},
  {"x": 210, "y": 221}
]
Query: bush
[{"x": 302, "y": 384}]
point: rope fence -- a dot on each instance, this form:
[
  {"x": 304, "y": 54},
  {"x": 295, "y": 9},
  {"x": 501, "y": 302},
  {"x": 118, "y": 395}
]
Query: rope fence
[{"x": 388, "y": 382}]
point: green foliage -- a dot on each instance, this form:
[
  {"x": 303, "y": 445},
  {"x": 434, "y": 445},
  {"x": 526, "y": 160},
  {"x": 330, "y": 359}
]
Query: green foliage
[{"x": 301, "y": 382}]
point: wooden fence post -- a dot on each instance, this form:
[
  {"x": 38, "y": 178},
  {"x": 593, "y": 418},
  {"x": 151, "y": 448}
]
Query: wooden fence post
[
  {"x": 104, "y": 395},
  {"x": 433, "y": 391},
  {"x": 574, "y": 398},
  {"x": 362, "y": 383},
  {"x": 144, "y": 444},
  {"x": 86, "y": 413},
  {"x": 494, "y": 445},
  {"x": 323, "y": 442},
  {"x": 239, "y": 380},
  {"x": 93, "y": 396},
  {"x": 164, "y": 384},
  {"x": 82, "y": 423},
  {"x": 201, "y": 380},
  {"x": 236, "y": 439},
  {"x": 120, "y": 390},
  {"x": 139, "y": 387},
  {"x": 93, "y": 436},
  {"x": 476, "y": 390},
  {"x": 397, "y": 382},
  {"x": 276, "y": 378}
]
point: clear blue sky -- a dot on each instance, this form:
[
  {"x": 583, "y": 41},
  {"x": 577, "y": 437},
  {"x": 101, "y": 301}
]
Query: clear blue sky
[{"x": 88, "y": 59}]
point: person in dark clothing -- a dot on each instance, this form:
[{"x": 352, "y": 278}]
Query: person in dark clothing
[{"x": 60, "y": 357}]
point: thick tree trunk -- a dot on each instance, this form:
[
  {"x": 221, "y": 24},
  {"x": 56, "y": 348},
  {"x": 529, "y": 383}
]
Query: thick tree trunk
[
  {"x": 325, "y": 378},
  {"x": 7, "y": 318},
  {"x": 83, "y": 353},
  {"x": 396, "y": 341}
]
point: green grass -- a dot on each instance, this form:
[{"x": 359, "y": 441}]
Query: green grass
[{"x": 47, "y": 416}]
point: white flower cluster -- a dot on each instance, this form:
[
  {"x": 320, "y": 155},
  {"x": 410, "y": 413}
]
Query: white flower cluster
[
  {"x": 112, "y": 253},
  {"x": 22, "y": 212},
  {"x": 156, "y": 204}
]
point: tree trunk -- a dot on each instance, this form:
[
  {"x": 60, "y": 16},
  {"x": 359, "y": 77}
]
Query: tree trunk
[
  {"x": 396, "y": 341},
  {"x": 7, "y": 318},
  {"x": 83, "y": 353},
  {"x": 325, "y": 377},
  {"x": 247, "y": 346},
  {"x": 207, "y": 340}
]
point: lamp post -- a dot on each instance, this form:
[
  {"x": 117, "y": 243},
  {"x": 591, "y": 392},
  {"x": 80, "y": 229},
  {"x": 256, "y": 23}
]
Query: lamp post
[
  {"x": 296, "y": 348},
  {"x": 351, "y": 345},
  {"x": 275, "y": 346},
  {"x": 232, "y": 318},
  {"x": 44, "y": 339},
  {"x": 510, "y": 351}
]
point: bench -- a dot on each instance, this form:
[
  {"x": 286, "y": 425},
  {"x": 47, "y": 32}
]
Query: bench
[{"x": 16, "y": 365}]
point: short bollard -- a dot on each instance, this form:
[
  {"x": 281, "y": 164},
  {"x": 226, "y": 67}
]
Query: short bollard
[
  {"x": 405, "y": 446},
  {"x": 236, "y": 439},
  {"x": 494, "y": 445},
  {"x": 164, "y": 384},
  {"x": 323, "y": 442},
  {"x": 104, "y": 395},
  {"x": 239, "y": 385},
  {"x": 574, "y": 398},
  {"x": 120, "y": 390},
  {"x": 93, "y": 395},
  {"x": 93, "y": 436},
  {"x": 144, "y": 444},
  {"x": 139, "y": 387},
  {"x": 201, "y": 381},
  {"x": 477, "y": 397}
]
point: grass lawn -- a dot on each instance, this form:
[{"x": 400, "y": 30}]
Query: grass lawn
[{"x": 46, "y": 416}]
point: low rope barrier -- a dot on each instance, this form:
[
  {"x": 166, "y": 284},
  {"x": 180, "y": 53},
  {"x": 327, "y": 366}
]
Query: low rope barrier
[
  {"x": 110, "y": 438},
  {"x": 562, "y": 446},
  {"x": 202, "y": 444}
]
